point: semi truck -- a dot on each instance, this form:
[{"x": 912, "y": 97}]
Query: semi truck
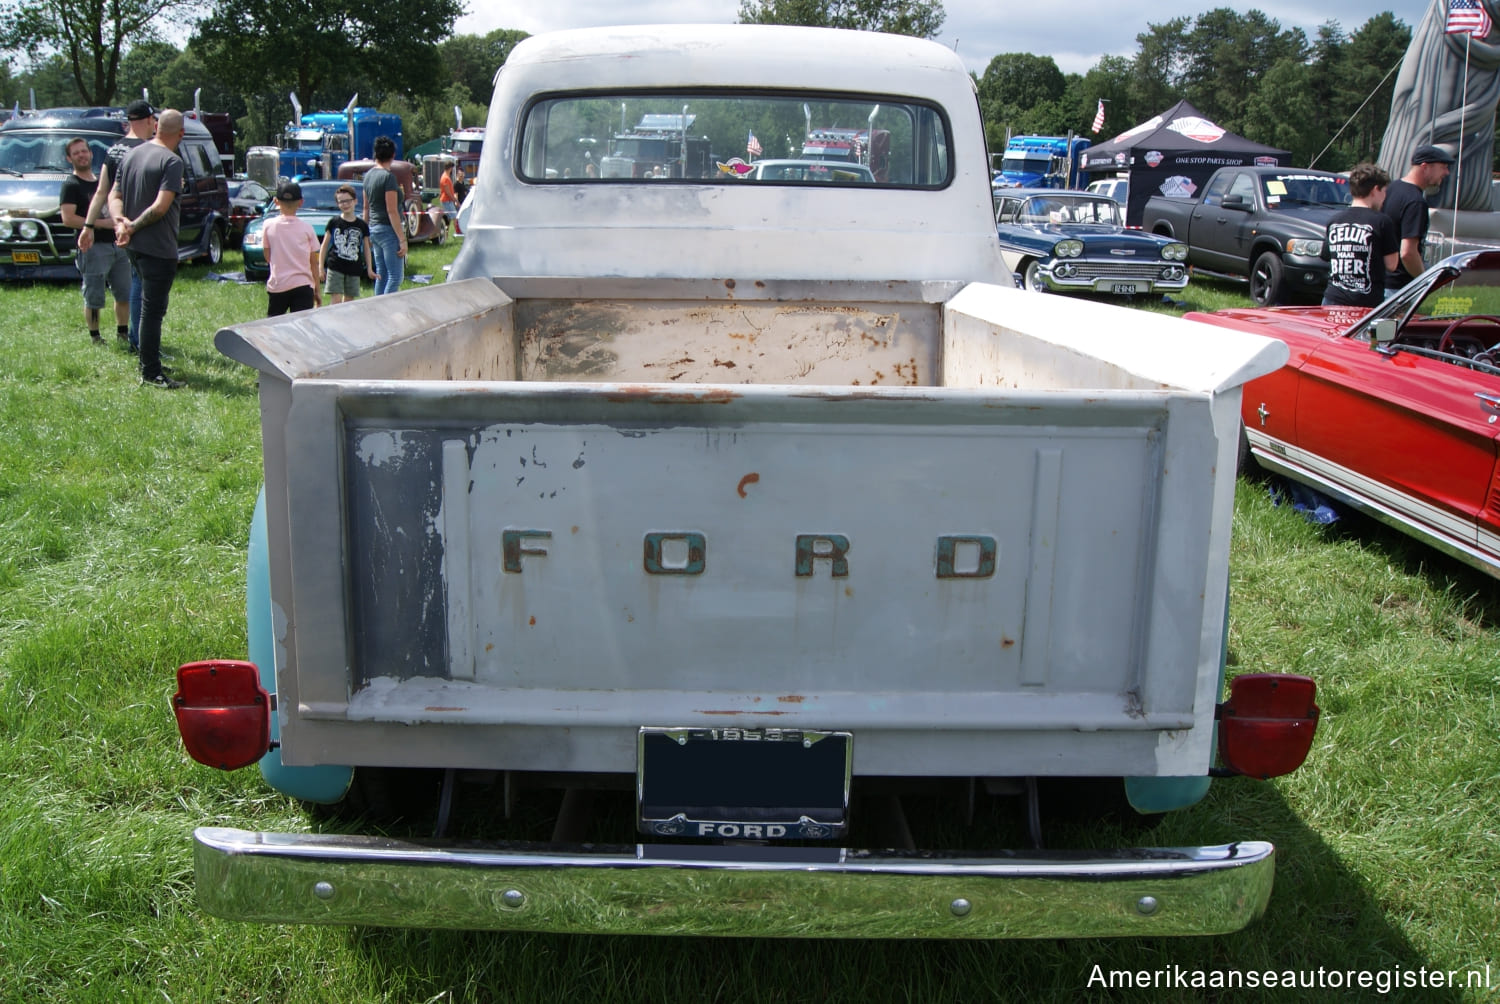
[
  {"x": 1042, "y": 162},
  {"x": 757, "y": 560},
  {"x": 661, "y": 145},
  {"x": 865, "y": 144},
  {"x": 315, "y": 144}
]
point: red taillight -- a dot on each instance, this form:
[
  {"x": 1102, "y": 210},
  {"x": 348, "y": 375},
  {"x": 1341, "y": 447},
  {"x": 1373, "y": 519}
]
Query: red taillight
[
  {"x": 223, "y": 713},
  {"x": 1266, "y": 727}
]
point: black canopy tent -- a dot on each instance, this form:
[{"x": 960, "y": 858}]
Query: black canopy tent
[{"x": 1173, "y": 154}]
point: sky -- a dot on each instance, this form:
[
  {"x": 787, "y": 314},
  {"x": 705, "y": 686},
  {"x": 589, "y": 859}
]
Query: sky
[{"x": 977, "y": 29}]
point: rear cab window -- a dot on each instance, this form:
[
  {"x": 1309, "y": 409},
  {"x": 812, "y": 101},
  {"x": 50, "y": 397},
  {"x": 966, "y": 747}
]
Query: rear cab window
[{"x": 817, "y": 139}]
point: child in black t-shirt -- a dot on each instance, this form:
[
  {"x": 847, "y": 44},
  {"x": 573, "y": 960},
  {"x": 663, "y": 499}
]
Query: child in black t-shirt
[
  {"x": 1362, "y": 243},
  {"x": 345, "y": 243}
]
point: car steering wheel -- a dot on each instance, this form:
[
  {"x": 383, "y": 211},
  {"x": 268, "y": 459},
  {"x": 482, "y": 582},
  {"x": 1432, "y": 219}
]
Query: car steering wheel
[{"x": 1446, "y": 342}]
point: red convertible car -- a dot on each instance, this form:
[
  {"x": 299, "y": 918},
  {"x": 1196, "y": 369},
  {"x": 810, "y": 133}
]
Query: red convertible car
[{"x": 1394, "y": 411}]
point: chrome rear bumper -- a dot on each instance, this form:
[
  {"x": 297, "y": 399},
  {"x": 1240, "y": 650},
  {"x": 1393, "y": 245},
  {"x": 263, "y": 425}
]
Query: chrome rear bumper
[{"x": 752, "y": 891}]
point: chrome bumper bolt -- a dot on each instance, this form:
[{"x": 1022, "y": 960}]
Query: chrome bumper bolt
[
  {"x": 513, "y": 898},
  {"x": 960, "y": 907},
  {"x": 1146, "y": 905},
  {"x": 323, "y": 890}
]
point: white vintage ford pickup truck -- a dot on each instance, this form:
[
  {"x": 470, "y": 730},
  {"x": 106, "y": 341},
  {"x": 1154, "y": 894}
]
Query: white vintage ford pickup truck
[{"x": 748, "y": 524}]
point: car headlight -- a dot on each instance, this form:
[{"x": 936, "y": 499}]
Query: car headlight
[
  {"x": 252, "y": 238},
  {"x": 1068, "y": 249},
  {"x": 1175, "y": 252},
  {"x": 1304, "y": 246},
  {"x": 28, "y": 230},
  {"x": 4, "y": 230}
]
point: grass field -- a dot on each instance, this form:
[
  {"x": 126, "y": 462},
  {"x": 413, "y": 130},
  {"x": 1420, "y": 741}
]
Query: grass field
[{"x": 123, "y": 516}]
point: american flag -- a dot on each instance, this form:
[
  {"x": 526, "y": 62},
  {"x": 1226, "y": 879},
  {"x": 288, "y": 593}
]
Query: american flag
[
  {"x": 752, "y": 145},
  {"x": 1467, "y": 16},
  {"x": 1099, "y": 115}
]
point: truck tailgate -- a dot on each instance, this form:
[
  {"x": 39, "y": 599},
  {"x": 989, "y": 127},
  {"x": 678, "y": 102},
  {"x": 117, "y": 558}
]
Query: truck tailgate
[
  {"x": 914, "y": 560},
  {"x": 1023, "y": 581}
]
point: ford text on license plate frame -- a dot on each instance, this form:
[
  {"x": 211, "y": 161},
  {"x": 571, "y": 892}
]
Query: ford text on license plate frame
[{"x": 741, "y": 783}]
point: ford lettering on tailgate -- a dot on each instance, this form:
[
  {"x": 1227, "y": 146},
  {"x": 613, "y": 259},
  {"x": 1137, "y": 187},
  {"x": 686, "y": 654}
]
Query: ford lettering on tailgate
[{"x": 741, "y": 544}]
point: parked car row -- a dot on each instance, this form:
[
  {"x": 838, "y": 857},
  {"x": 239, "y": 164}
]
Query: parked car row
[{"x": 34, "y": 244}]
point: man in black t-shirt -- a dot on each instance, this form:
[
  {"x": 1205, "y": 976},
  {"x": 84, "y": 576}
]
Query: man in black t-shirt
[
  {"x": 1406, "y": 204},
  {"x": 140, "y": 120},
  {"x": 102, "y": 264},
  {"x": 1362, "y": 243}
]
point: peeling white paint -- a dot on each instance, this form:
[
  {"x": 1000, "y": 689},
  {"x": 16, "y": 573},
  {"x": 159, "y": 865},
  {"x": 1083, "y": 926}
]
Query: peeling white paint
[{"x": 380, "y": 447}]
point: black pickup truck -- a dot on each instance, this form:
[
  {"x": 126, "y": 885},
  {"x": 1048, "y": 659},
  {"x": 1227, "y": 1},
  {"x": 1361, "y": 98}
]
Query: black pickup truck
[{"x": 1265, "y": 224}]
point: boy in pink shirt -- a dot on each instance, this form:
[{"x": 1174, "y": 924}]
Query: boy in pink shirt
[{"x": 291, "y": 249}]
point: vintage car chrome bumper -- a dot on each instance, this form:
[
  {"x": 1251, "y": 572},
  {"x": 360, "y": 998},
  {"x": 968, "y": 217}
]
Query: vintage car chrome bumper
[
  {"x": 1075, "y": 274},
  {"x": 750, "y": 891}
]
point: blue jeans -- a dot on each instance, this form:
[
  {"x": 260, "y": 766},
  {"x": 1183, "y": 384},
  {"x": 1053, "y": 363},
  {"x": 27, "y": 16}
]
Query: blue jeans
[
  {"x": 156, "y": 275},
  {"x": 390, "y": 267},
  {"x": 135, "y": 308}
]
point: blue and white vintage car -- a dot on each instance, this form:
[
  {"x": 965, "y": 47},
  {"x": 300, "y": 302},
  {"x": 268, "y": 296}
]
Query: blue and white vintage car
[{"x": 1064, "y": 241}]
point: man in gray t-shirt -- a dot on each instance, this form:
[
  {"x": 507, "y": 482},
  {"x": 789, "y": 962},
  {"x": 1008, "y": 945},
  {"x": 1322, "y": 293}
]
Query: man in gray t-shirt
[{"x": 143, "y": 202}]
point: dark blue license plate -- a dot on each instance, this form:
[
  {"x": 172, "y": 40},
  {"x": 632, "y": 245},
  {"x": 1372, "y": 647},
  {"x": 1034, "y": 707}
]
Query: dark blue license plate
[{"x": 743, "y": 784}]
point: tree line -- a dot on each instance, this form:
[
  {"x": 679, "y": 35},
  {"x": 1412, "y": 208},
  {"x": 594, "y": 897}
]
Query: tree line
[{"x": 1325, "y": 99}]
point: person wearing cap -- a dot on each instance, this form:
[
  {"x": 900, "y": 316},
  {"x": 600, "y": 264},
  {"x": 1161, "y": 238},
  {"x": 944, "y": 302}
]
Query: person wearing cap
[
  {"x": 144, "y": 204},
  {"x": 140, "y": 120},
  {"x": 1406, "y": 203},
  {"x": 291, "y": 249}
]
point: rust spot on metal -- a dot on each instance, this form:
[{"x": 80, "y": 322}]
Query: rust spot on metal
[
  {"x": 434, "y": 707},
  {"x": 759, "y": 284},
  {"x": 792, "y": 699},
  {"x": 728, "y": 364},
  {"x": 532, "y": 620},
  {"x": 655, "y": 395},
  {"x": 755, "y": 712},
  {"x": 490, "y": 647},
  {"x": 848, "y": 590},
  {"x": 748, "y": 479},
  {"x": 573, "y": 530},
  {"x": 728, "y": 283},
  {"x": 1006, "y": 642}
]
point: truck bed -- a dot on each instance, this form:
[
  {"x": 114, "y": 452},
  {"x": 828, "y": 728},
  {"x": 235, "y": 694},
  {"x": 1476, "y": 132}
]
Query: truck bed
[{"x": 967, "y": 524}]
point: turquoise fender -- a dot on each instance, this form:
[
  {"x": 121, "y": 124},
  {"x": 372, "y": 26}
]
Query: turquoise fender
[
  {"x": 324, "y": 783},
  {"x": 1163, "y": 794}
]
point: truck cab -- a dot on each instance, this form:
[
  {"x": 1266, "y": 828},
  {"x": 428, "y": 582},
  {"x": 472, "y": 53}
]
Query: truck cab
[{"x": 1042, "y": 162}]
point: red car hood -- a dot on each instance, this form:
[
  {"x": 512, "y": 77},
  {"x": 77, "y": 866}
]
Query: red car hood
[{"x": 1279, "y": 322}]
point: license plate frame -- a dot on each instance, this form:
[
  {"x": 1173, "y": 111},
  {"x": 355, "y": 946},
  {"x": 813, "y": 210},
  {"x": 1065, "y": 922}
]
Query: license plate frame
[
  {"x": 1125, "y": 288},
  {"x": 743, "y": 783},
  {"x": 26, "y": 257}
]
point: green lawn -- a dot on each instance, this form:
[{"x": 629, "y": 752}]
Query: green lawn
[{"x": 123, "y": 515}]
